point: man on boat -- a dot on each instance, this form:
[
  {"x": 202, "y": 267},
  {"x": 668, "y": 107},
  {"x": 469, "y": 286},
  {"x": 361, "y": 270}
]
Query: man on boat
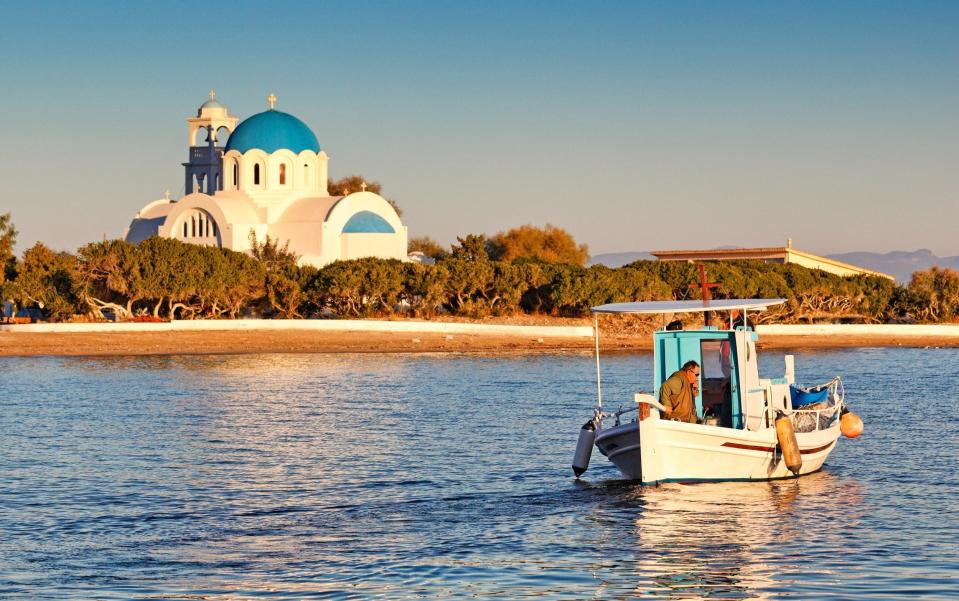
[{"x": 677, "y": 393}]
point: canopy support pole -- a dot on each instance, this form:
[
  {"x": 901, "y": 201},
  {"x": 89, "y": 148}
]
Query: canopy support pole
[{"x": 599, "y": 387}]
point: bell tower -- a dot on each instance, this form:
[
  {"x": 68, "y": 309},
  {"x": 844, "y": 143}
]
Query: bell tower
[{"x": 203, "y": 172}]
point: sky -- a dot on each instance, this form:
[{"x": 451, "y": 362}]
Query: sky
[{"x": 634, "y": 125}]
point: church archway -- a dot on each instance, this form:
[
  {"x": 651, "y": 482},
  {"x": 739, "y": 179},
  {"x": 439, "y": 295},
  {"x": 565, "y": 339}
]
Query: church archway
[
  {"x": 197, "y": 226},
  {"x": 200, "y": 137}
]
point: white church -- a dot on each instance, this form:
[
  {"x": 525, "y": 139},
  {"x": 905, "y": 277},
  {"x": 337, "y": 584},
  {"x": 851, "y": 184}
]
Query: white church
[{"x": 270, "y": 177}]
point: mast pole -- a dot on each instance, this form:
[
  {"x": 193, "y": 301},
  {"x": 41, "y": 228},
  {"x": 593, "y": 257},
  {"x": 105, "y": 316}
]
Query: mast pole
[{"x": 599, "y": 387}]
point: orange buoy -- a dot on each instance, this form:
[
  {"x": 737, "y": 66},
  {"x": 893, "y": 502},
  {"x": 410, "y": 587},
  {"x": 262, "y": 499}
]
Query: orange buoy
[
  {"x": 850, "y": 424},
  {"x": 788, "y": 444}
]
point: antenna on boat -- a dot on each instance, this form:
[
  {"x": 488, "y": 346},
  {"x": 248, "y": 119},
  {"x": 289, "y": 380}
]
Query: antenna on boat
[
  {"x": 599, "y": 388},
  {"x": 707, "y": 295}
]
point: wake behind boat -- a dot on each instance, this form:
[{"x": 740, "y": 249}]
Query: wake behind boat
[{"x": 745, "y": 427}]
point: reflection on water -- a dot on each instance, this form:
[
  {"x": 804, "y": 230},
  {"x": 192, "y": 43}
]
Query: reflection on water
[
  {"x": 392, "y": 477},
  {"x": 715, "y": 540}
]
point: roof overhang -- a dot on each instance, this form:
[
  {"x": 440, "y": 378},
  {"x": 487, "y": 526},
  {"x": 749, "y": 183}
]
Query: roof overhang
[{"x": 690, "y": 306}]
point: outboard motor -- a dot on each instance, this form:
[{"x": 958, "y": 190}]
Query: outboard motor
[{"x": 584, "y": 448}]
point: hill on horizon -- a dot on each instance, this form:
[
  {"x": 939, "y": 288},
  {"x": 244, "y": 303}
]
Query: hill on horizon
[
  {"x": 619, "y": 259},
  {"x": 900, "y": 264}
]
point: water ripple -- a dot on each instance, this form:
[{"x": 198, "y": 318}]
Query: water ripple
[{"x": 446, "y": 477}]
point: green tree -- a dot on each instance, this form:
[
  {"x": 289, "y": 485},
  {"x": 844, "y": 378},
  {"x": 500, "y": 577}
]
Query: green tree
[
  {"x": 424, "y": 287},
  {"x": 109, "y": 274},
  {"x": 284, "y": 293},
  {"x": 360, "y": 286},
  {"x": 427, "y": 246},
  {"x": 237, "y": 280},
  {"x": 8, "y": 238},
  {"x": 505, "y": 288},
  {"x": 467, "y": 284},
  {"x": 339, "y": 287},
  {"x": 275, "y": 258},
  {"x": 933, "y": 295},
  {"x": 474, "y": 247},
  {"x": 549, "y": 245},
  {"x": 46, "y": 279},
  {"x": 167, "y": 271}
]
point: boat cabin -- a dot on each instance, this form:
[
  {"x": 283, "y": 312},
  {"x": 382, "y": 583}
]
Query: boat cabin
[
  {"x": 730, "y": 393},
  {"x": 718, "y": 399}
]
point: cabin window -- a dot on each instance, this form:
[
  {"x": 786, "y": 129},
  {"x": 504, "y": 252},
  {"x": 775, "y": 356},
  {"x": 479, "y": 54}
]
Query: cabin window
[
  {"x": 256, "y": 175},
  {"x": 282, "y": 174},
  {"x": 717, "y": 381}
]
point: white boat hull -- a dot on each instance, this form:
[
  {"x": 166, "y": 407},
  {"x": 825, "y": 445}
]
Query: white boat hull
[{"x": 656, "y": 450}]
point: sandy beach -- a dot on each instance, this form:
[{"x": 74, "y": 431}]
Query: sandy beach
[
  {"x": 260, "y": 341},
  {"x": 14, "y": 343}
]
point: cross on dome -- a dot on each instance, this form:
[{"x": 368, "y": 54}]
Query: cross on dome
[
  {"x": 271, "y": 99},
  {"x": 212, "y": 94}
]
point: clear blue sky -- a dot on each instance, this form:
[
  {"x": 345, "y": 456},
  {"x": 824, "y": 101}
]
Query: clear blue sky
[{"x": 634, "y": 125}]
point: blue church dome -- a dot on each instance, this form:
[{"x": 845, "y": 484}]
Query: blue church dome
[
  {"x": 270, "y": 131},
  {"x": 367, "y": 222}
]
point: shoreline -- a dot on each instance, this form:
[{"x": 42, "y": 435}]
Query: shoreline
[
  {"x": 226, "y": 342},
  {"x": 199, "y": 338}
]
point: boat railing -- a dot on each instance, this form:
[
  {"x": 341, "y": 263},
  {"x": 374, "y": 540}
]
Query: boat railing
[
  {"x": 619, "y": 412},
  {"x": 824, "y": 415}
]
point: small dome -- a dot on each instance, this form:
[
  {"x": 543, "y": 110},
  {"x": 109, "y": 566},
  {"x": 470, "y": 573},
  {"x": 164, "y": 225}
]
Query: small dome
[
  {"x": 211, "y": 104},
  {"x": 270, "y": 131},
  {"x": 367, "y": 222}
]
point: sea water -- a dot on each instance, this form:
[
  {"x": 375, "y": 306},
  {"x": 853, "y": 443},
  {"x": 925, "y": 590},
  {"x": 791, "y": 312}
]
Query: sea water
[{"x": 448, "y": 477}]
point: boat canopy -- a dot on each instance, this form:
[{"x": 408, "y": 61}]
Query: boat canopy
[{"x": 690, "y": 306}]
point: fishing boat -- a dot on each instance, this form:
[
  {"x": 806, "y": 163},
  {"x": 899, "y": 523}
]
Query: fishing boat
[{"x": 746, "y": 427}]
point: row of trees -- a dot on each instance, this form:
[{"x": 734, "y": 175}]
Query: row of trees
[
  {"x": 167, "y": 279},
  {"x": 547, "y": 245}
]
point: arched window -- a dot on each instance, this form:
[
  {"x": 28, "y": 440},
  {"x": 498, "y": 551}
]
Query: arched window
[
  {"x": 282, "y": 174},
  {"x": 236, "y": 174},
  {"x": 256, "y": 174},
  {"x": 200, "y": 227}
]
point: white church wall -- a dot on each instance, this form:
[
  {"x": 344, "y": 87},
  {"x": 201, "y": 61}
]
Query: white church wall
[
  {"x": 337, "y": 245},
  {"x": 231, "y": 171},
  {"x": 306, "y": 172},
  {"x": 305, "y": 237},
  {"x": 387, "y": 246}
]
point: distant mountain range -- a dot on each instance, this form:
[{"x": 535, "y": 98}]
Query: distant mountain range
[
  {"x": 619, "y": 259},
  {"x": 899, "y": 264}
]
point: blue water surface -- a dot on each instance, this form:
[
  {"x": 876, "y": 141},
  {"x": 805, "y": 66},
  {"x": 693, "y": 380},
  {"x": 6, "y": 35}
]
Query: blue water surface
[{"x": 447, "y": 477}]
